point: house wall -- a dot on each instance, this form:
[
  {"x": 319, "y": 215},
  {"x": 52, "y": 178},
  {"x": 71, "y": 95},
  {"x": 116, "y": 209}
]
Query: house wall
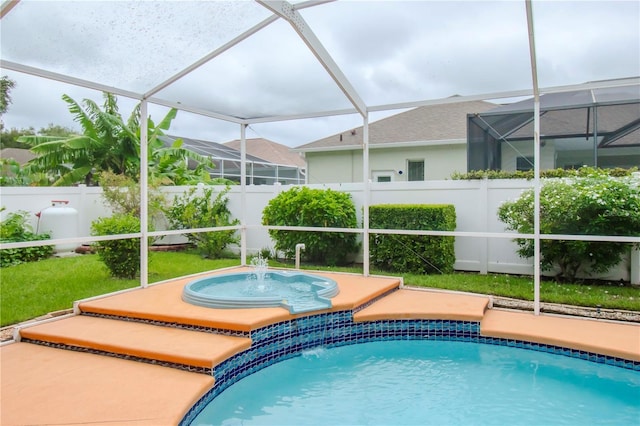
[
  {"x": 569, "y": 153},
  {"x": 513, "y": 150},
  {"x": 439, "y": 161},
  {"x": 346, "y": 166},
  {"x": 476, "y": 204},
  {"x": 334, "y": 167},
  {"x": 607, "y": 157}
]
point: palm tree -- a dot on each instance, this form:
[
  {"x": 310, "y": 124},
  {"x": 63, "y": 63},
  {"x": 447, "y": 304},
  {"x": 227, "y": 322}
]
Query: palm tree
[{"x": 107, "y": 143}]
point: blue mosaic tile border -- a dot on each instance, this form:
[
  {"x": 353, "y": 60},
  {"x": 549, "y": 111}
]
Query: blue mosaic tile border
[
  {"x": 374, "y": 300},
  {"x": 287, "y": 339}
]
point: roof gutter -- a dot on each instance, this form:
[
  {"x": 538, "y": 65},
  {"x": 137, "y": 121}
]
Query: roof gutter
[{"x": 411, "y": 144}]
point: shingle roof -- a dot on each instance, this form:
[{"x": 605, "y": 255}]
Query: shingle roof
[
  {"x": 22, "y": 156},
  {"x": 443, "y": 122},
  {"x": 270, "y": 151}
]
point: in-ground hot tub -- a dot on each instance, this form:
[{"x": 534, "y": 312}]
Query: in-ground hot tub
[{"x": 296, "y": 291}]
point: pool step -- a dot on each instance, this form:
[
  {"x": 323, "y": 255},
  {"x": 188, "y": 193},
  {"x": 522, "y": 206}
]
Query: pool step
[
  {"x": 425, "y": 304},
  {"x": 162, "y": 303},
  {"x": 186, "y": 349}
]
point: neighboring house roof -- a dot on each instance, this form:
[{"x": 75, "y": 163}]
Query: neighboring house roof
[
  {"x": 216, "y": 151},
  {"x": 444, "y": 123},
  {"x": 22, "y": 156},
  {"x": 271, "y": 151}
]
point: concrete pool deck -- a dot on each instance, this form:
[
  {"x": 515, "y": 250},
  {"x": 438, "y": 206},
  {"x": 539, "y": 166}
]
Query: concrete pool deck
[{"x": 45, "y": 384}]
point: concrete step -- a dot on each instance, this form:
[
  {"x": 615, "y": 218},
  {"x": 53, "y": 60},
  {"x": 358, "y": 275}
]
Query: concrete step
[
  {"x": 163, "y": 303},
  {"x": 193, "y": 349},
  {"x": 424, "y": 304}
]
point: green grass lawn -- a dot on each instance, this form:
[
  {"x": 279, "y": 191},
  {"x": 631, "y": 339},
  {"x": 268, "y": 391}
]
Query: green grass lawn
[
  {"x": 33, "y": 289},
  {"x": 603, "y": 294}
]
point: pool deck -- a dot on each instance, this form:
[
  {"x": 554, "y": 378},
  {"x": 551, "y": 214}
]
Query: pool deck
[{"x": 45, "y": 384}]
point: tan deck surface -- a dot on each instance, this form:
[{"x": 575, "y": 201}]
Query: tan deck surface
[
  {"x": 418, "y": 304},
  {"x": 153, "y": 342},
  {"x": 163, "y": 302},
  {"x": 45, "y": 386},
  {"x": 602, "y": 337},
  {"x": 41, "y": 385}
]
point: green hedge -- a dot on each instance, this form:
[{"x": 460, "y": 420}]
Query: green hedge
[
  {"x": 550, "y": 173},
  {"x": 413, "y": 253}
]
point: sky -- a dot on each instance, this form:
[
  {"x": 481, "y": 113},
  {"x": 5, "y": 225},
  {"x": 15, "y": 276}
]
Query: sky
[{"x": 390, "y": 52}]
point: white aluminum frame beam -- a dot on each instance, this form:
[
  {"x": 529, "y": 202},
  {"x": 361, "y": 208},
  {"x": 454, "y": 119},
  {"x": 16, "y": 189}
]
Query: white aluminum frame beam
[
  {"x": 211, "y": 55},
  {"x": 536, "y": 160},
  {"x": 38, "y": 72},
  {"x": 144, "y": 195},
  {"x": 7, "y": 6},
  {"x": 63, "y": 78},
  {"x": 289, "y": 13}
]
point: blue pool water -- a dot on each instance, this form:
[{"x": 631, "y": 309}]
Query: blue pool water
[{"x": 429, "y": 383}]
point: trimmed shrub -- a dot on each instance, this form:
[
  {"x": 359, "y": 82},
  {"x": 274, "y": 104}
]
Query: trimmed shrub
[
  {"x": 550, "y": 173},
  {"x": 191, "y": 211},
  {"x": 122, "y": 257},
  {"x": 302, "y": 206},
  {"x": 592, "y": 205},
  {"x": 420, "y": 254},
  {"x": 15, "y": 228}
]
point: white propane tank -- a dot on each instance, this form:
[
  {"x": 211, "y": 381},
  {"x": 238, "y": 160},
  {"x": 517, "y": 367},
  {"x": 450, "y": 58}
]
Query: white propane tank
[{"x": 61, "y": 221}]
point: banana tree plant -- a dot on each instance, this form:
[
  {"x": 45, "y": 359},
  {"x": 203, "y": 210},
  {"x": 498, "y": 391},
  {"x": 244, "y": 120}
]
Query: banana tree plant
[{"x": 108, "y": 143}]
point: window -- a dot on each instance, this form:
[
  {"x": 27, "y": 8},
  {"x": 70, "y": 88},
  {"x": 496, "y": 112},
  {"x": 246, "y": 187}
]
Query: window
[
  {"x": 524, "y": 163},
  {"x": 382, "y": 175},
  {"x": 415, "y": 169}
]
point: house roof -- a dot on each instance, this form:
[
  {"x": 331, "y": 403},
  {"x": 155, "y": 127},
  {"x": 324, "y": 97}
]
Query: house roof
[
  {"x": 431, "y": 123},
  {"x": 216, "y": 151},
  {"x": 20, "y": 155},
  {"x": 270, "y": 151}
]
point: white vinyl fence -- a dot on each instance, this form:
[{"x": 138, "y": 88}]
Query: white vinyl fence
[{"x": 476, "y": 203}]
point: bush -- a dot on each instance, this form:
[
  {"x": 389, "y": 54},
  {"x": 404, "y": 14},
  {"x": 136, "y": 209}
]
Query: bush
[
  {"x": 595, "y": 204},
  {"x": 122, "y": 257},
  {"x": 122, "y": 194},
  {"x": 420, "y": 254},
  {"x": 302, "y": 206},
  {"x": 15, "y": 229},
  {"x": 190, "y": 211},
  {"x": 550, "y": 173}
]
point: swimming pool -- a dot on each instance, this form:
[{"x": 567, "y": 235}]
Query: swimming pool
[
  {"x": 429, "y": 383},
  {"x": 288, "y": 339}
]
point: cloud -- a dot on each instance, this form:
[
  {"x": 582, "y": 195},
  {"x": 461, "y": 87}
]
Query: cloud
[{"x": 391, "y": 52}]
